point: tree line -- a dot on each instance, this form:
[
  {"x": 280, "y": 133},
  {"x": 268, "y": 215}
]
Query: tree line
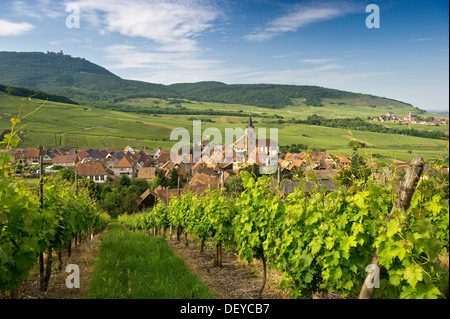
[
  {"x": 359, "y": 124},
  {"x": 21, "y": 91}
]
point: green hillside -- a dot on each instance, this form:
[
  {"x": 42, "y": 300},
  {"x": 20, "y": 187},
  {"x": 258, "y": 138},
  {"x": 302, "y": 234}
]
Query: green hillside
[
  {"x": 114, "y": 112},
  {"x": 268, "y": 95},
  {"x": 67, "y": 125},
  {"x": 90, "y": 84},
  {"x": 75, "y": 78},
  {"x": 24, "y": 92}
]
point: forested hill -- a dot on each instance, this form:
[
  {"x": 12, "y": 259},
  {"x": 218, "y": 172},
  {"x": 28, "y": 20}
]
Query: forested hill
[
  {"x": 264, "y": 95},
  {"x": 88, "y": 83},
  {"x": 24, "y": 92},
  {"x": 75, "y": 78}
]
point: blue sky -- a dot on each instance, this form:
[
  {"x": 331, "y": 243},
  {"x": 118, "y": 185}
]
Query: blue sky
[{"x": 312, "y": 42}]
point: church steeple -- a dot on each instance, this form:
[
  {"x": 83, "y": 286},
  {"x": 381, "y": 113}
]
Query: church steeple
[
  {"x": 250, "y": 137},
  {"x": 250, "y": 123}
]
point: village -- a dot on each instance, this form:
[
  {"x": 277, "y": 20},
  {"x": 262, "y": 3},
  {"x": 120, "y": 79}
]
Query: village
[
  {"x": 410, "y": 119},
  {"x": 102, "y": 164},
  {"x": 213, "y": 170}
]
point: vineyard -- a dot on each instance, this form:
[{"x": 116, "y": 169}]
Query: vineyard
[
  {"x": 322, "y": 242},
  {"x": 365, "y": 239},
  {"x": 39, "y": 221}
]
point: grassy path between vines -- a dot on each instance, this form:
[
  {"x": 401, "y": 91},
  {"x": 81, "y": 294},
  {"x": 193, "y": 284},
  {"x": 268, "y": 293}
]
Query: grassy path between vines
[{"x": 133, "y": 265}]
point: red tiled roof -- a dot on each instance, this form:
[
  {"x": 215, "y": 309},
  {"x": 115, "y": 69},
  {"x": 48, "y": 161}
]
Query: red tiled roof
[
  {"x": 126, "y": 161},
  {"x": 64, "y": 159},
  {"x": 90, "y": 169},
  {"x": 147, "y": 172},
  {"x": 31, "y": 152},
  {"x": 204, "y": 179},
  {"x": 290, "y": 157},
  {"x": 298, "y": 162},
  {"x": 343, "y": 159},
  {"x": 164, "y": 156}
]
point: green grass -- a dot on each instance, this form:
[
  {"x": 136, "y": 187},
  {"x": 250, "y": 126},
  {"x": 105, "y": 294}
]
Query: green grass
[
  {"x": 65, "y": 125},
  {"x": 133, "y": 265}
]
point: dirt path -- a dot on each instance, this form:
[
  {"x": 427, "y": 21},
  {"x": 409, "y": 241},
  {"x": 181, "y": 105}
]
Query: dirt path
[
  {"x": 84, "y": 256},
  {"x": 235, "y": 280},
  {"x": 358, "y": 139},
  {"x": 151, "y": 123}
]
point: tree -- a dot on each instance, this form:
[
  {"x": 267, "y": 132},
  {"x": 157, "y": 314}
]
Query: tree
[
  {"x": 234, "y": 185},
  {"x": 124, "y": 180},
  {"x": 140, "y": 184},
  {"x": 159, "y": 179},
  {"x": 253, "y": 170},
  {"x": 130, "y": 203},
  {"x": 67, "y": 174},
  {"x": 112, "y": 202},
  {"x": 173, "y": 179}
]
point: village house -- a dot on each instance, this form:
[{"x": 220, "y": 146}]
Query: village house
[
  {"x": 141, "y": 159},
  {"x": 390, "y": 114},
  {"x": 116, "y": 154},
  {"x": 342, "y": 161},
  {"x": 46, "y": 158},
  {"x": 161, "y": 156},
  {"x": 169, "y": 166},
  {"x": 93, "y": 171},
  {"x": 268, "y": 147},
  {"x": 128, "y": 149},
  {"x": 204, "y": 179},
  {"x": 126, "y": 166},
  {"x": 296, "y": 164},
  {"x": 66, "y": 161},
  {"x": 240, "y": 151},
  {"x": 108, "y": 163},
  {"x": 90, "y": 153},
  {"x": 27, "y": 156},
  {"x": 316, "y": 160},
  {"x": 147, "y": 173},
  {"x": 150, "y": 197},
  {"x": 63, "y": 151}
]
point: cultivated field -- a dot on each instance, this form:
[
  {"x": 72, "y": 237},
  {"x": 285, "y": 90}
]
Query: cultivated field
[{"x": 66, "y": 125}]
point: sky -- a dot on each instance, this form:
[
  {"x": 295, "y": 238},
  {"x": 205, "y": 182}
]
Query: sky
[{"x": 399, "y": 51}]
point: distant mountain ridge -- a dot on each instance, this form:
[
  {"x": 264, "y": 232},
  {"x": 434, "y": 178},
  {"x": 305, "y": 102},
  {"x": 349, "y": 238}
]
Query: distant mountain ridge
[
  {"x": 87, "y": 83},
  {"x": 75, "y": 78}
]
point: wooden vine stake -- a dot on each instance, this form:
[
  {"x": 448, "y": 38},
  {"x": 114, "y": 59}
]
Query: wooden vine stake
[
  {"x": 406, "y": 192},
  {"x": 41, "y": 206},
  {"x": 219, "y": 252}
]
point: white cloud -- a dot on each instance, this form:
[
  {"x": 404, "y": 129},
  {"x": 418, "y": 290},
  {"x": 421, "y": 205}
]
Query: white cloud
[
  {"x": 359, "y": 81},
  {"x": 287, "y": 55},
  {"x": 165, "y": 67},
  {"x": 422, "y": 39},
  {"x": 327, "y": 67},
  {"x": 325, "y": 64},
  {"x": 301, "y": 15},
  {"x": 38, "y": 9},
  {"x": 173, "y": 25},
  {"x": 316, "y": 61},
  {"x": 8, "y": 28},
  {"x": 64, "y": 41}
]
